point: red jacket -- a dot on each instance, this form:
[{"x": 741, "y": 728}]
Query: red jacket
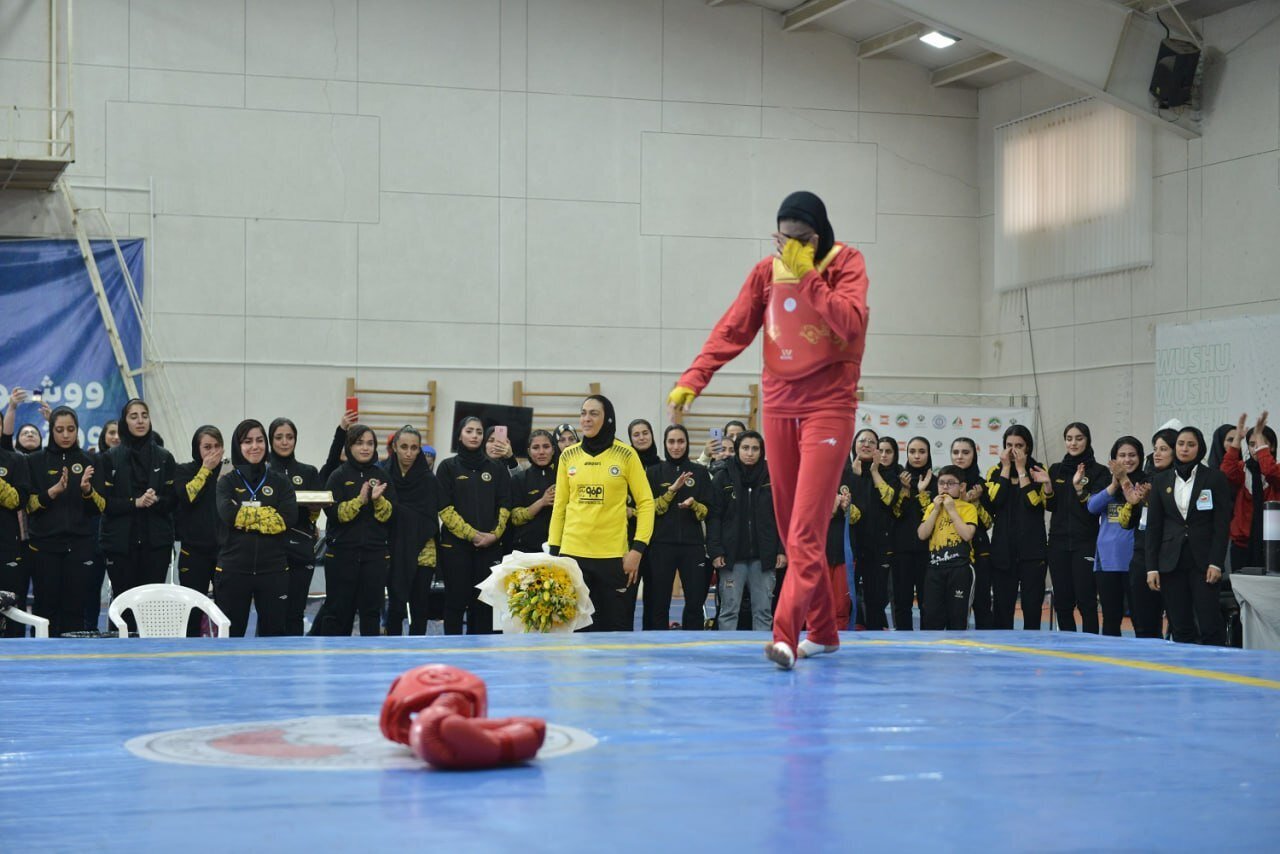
[
  {"x": 838, "y": 293},
  {"x": 1233, "y": 468}
]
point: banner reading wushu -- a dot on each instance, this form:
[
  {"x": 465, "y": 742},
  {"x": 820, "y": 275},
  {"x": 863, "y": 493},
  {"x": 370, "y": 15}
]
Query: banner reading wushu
[{"x": 941, "y": 425}]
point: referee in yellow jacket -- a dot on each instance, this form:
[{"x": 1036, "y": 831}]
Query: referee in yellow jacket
[{"x": 589, "y": 517}]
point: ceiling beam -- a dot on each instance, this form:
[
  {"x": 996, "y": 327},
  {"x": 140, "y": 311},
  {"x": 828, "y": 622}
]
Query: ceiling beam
[
  {"x": 809, "y": 12},
  {"x": 905, "y": 34},
  {"x": 1101, "y": 48},
  {"x": 957, "y": 71}
]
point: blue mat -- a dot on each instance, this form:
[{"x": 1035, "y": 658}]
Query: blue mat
[{"x": 660, "y": 742}]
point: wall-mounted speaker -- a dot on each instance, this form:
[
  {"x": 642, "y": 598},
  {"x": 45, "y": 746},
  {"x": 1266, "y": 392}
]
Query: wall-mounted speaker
[{"x": 1173, "y": 79}]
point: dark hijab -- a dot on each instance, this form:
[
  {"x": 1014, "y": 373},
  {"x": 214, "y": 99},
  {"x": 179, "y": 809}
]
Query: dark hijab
[
  {"x": 202, "y": 431},
  {"x": 53, "y": 417},
  {"x": 1185, "y": 470},
  {"x": 918, "y": 472},
  {"x": 809, "y": 209},
  {"x": 602, "y": 440},
  {"x": 413, "y": 488},
  {"x": 474, "y": 460},
  {"x": 971, "y": 474},
  {"x": 680, "y": 463},
  {"x": 278, "y": 458},
  {"x": 142, "y": 450},
  {"x": 890, "y": 472},
  {"x": 102, "y": 435},
  {"x": 1138, "y": 475},
  {"x": 1072, "y": 461},
  {"x": 251, "y": 472},
  {"x": 1216, "y": 453},
  {"x": 555, "y": 452},
  {"x": 752, "y": 476},
  {"x": 649, "y": 456},
  {"x": 1024, "y": 434},
  {"x": 354, "y": 434}
]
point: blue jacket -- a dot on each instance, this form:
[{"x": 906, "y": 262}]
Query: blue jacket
[{"x": 1115, "y": 537}]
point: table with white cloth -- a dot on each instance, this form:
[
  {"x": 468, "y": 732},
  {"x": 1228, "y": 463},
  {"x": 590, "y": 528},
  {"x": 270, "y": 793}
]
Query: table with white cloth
[{"x": 1259, "y": 598}]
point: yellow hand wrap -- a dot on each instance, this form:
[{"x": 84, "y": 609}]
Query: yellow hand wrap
[
  {"x": 798, "y": 258},
  {"x": 681, "y": 397}
]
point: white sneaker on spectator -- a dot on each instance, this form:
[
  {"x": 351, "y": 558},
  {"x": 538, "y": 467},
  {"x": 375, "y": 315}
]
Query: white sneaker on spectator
[
  {"x": 780, "y": 654},
  {"x": 808, "y": 649}
]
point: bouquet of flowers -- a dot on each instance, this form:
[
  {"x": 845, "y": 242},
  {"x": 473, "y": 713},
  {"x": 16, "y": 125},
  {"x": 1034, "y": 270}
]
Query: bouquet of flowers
[{"x": 537, "y": 593}]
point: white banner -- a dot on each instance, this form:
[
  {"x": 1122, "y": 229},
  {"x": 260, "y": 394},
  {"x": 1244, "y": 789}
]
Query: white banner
[
  {"x": 943, "y": 424},
  {"x": 1210, "y": 371}
]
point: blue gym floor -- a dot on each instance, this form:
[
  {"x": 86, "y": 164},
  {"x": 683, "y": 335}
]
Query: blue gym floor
[{"x": 964, "y": 741}]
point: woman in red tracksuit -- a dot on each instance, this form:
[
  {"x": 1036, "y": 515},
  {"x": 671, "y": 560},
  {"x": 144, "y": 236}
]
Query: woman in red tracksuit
[
  {"x": 811, "y": 300},
  {"x": 1254, "y": 481}
]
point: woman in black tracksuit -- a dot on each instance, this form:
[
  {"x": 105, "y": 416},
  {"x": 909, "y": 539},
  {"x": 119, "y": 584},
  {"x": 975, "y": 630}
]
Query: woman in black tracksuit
[
  {"x": 282, "y": 437},
  {"x": 136, "y": 478},
  {"x": 844, "y": 515},
  {"x": 1015, "y": 498},
  {"x": 413, "y": 533},
  {"x": 1146, "y": 606},
  {"x": 682, "y": 498},
  {"x": 195, "y": 515},
  {"x": 1073, "y": 530},
  {"x": 533, "y": 493},
  {"x": 108, "y": 438},
  {"x": 254, "y": 506},
  {"x": 910, "y": 553},
  {"x": 964, "y": 456},
  {"x": 640, "y": 435},
  {"x": 15, "y": 490},
  {"x": 873, "y": 495},
  {"x": 742, "y": 535},
  {"x": 61, "y": 511},
  {"x": 357, "y": 559},
  {"x": 475, "y": 505}
]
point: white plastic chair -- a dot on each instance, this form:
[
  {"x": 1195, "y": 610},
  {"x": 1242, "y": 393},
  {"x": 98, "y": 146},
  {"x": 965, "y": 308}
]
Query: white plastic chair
[
  {"x": 161, "y": 611},
  {"x": 18, "y": 616}
]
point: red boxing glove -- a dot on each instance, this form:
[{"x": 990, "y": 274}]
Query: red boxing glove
[
  {"x": 447, "y": 738},
  {"x": 423, "y": 687}
]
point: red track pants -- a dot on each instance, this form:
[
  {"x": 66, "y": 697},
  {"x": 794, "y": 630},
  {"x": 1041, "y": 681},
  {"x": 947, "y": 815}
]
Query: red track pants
[{"x": 806, "y": 457}]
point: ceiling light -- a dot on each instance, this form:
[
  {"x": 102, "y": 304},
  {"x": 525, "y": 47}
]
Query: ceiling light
[{"x": 938, "y": 40}]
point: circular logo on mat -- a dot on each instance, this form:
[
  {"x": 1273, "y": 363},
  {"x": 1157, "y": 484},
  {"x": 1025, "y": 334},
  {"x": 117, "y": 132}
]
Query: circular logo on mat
[
  {"x": 76, "y": 468},
  {"x": 322, "y": 743},
  {"x": 297, "y": 480}
]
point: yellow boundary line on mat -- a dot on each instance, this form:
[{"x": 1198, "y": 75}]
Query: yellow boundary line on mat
[{"x": 1155, "y": 667}]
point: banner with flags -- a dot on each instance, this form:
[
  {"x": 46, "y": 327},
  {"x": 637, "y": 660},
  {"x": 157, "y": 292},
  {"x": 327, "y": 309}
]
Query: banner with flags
[{"x": 941, "y": 425}]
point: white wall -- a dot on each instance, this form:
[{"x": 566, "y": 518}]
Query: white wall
[
  {"x": 551, "y": 191},
  {"x": 1217, "y": 220}
]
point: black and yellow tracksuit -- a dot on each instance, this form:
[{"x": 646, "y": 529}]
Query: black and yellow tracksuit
[
  {"x": 1073, "y": 539},
  {"x": 357, "y": 557},
  {"x": 14, "y": 492},
  {"x": 910, "y": 554},
  {"x": 873, "y": 545},
  {"x": 196, "y": 524},
  {"x": 949, "y": 578},
  {"x": 253, "y": 563},
  {"x": 679, "y": 545},
  {"x": 137, "y": 542},
  {"x": 527, "y": 532},
  {"x": 475, "y": 497},
  {"x": 589, "y": 523},
  {"x": 302, "y": 537},
  {"x": 61, "y": 532},
  {"x": 1018, "y": 547}
]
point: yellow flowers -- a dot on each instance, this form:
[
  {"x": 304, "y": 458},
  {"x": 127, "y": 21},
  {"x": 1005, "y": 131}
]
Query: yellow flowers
[{"x": 541, "y": 597}]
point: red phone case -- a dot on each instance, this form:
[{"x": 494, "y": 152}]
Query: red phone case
[{"x": 353, "y": 404}]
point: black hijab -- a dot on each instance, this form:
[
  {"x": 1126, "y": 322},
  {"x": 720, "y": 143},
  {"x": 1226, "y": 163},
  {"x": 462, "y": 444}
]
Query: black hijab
[
  {"x": 278, "y": 459},
  {"x": 649, "y": 456},
  {"x": 1024, "y": 434},
  {"x": 1138, "y": 475},
  {"x": 52, "y": 445},
  {"x": 1185, "y": 470},
  {"x": 474, "y": 460},
  {"x": 602, "y": 440},
  {"x": 413, "y": 488},
  {"x": 1073, "y": 461},
  {"x": 251, "y": 472},
  {"x": 681, "y": 464},
  {"x": 891, "y": 472},
  {"x": 203, "y": 430},
  {"x": 142, "y": 450},
  {"x": 102, "y": 435},
  {"x": 550, "y": 467},
  {"x": 971, "y": 473},
  {"x": 754, "y": 475},
  {"x": 917, "y": 472},
  {"x": 353, "y": 435},
  {"x": 1216, "y": 453},
  {"x": 810, "y": 210}
]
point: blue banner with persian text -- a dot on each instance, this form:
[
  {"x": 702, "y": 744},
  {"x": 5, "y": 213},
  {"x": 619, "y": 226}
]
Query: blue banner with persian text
[{"x": 52, "y": 337}]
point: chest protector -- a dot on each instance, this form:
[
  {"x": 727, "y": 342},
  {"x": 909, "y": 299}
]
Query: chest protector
[{"x": 797, "y": 340}]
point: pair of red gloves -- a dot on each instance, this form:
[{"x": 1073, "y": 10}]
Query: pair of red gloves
[{"x": 439, "y": 711}]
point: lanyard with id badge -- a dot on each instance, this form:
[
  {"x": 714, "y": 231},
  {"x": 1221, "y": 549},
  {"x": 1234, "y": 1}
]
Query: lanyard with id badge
[{"x": 253, "y": 490}]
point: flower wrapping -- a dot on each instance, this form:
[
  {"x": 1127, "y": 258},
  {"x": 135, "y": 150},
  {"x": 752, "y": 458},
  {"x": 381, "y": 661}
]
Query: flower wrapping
[{"x": 537, "y": 592}]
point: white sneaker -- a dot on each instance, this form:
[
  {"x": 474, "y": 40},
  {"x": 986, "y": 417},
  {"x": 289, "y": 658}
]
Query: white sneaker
[
  {"x": 808, "y": 649},
  {"x": 780, "y": 654}
]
